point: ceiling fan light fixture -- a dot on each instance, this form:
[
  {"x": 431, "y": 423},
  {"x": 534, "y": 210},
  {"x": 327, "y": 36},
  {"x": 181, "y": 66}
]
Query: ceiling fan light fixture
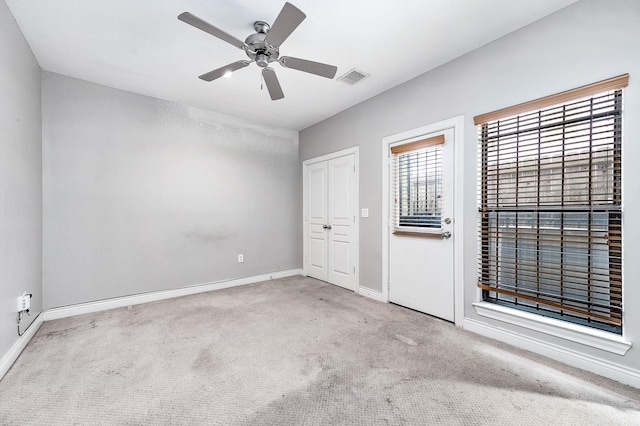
[
  {"x": 262, "y": 60},
  {"x": 227, "y": 74}
]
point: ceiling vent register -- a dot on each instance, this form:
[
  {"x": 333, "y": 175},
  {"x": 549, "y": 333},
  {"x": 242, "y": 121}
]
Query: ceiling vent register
[{"x": 353, "y": 76}]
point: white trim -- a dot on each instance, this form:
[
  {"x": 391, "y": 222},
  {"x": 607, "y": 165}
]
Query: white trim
[
  {"x": 386, "y": 221},
  {"x": 565, "y": 330},
  {"x": 10, "y": 357},
  {"x": 306, "y": 163},
  {"x": 372, "y": 294},
  {"x": 570, "y": 357},
  {"x": 136, "y": 299},
  {"x": 332, "y": 155},
  {"x": 457, "y": 124},
  {"x": 458, "y": 203}
]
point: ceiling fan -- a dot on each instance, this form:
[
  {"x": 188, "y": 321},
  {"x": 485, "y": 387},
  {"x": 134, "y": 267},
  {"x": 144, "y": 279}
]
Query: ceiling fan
[{"x": 263, "y": 48}]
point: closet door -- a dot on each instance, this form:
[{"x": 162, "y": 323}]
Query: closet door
[
  {"x": 317, "y": 221},
  {"x": 331, "y": 221}
]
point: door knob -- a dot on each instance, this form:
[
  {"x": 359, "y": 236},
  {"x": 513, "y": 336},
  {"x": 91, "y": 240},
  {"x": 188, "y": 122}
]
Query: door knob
[
  {"x": 326, "y": 226},
  {"x": 446, "y": 234}
]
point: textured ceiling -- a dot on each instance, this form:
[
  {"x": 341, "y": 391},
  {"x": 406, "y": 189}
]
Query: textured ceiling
[{"x": 141, "y": 46}]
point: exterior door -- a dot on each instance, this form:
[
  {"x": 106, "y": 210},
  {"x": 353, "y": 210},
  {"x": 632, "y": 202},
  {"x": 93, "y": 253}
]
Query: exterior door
[
  {"x": 421, "y": 241},
  {"x": 330, "y": 221}
]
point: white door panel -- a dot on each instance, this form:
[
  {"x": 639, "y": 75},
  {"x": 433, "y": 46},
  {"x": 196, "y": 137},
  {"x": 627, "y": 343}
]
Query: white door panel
[
  {"x": 318, "y": 193},
  {"x": 421, "y": 280},
  {"x": 341, "y": 231},
  {"x": 340, "y": 173},
  {"x": 420, "y": 268},
  {"x": 317, "y": 258},
  {"x": 340, "y": 257}
]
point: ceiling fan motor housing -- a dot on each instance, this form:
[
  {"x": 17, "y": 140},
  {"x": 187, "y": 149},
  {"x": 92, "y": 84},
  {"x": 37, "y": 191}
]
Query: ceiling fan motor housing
[{"x": 258, "y": 50}]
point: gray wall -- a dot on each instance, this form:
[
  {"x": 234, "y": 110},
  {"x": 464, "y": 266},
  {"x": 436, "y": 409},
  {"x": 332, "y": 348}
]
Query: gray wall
[
  {"x": 143, "y": 195},
  {"x": 586, "y": 42},
  {"x": 20, "y": 179}
]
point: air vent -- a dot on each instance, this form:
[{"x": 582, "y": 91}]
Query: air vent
[{"x": 353, "y": 76}]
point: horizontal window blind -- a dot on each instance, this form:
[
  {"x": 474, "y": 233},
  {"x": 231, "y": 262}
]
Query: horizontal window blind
[
  {"x": 613, "y": 83},
  {"x": 550, "y": 220},
  {"x": 422, "y": 143},
  {"x": 417, "y": 192}
]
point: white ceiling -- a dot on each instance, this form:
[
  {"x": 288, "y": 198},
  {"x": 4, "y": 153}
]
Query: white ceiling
[{"x": 141, "y": 46}]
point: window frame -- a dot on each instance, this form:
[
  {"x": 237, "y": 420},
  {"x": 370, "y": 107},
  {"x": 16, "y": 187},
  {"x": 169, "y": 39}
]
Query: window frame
[
  {"x": 404, "y": 148},
  {"x": 532, "y": 320}
]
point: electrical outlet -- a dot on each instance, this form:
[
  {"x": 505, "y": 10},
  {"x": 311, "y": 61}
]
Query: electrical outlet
[
  {"x": 240, "y": 258},
  {"x": 24, "y": 303}
]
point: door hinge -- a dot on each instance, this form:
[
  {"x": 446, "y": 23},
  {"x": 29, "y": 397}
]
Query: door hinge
[
  {"x": 354, "y": 168},
  {"x": 354, "y": 269}
]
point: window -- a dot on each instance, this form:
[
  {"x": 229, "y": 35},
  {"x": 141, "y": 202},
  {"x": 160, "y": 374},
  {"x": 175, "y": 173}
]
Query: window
[
  {"x": 550, "y": 219},
  {"x": 417, "y": 171}
]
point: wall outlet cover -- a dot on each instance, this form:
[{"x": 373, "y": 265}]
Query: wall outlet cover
[{"x": 24, "y": 303}]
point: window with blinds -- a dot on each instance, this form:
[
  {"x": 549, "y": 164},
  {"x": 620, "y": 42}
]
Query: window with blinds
[
  {"x": 417, "y": 193},
  {"x": 550, "y": 219}
]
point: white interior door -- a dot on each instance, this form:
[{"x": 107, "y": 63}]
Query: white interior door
[
  {"x": 331, "y": 243},
  {"x": 421, "y": 269},
  {"x": 341, "y": 203},
  {"x": 317, "y": 209}
]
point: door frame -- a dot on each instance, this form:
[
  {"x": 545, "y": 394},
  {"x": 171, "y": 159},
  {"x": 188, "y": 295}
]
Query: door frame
[
  {"x": 356, "y": 207},
  {"x": 457, "y": 124}
]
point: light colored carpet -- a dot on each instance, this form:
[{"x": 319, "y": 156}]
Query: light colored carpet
[{"x": 294, "y": 351}]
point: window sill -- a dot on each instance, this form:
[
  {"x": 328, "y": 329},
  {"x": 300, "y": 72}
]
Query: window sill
[
  {"x": 576, "y": 333},
  {"x": 418, "y": 234}
]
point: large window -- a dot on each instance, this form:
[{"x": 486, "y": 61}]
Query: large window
[{"x": 550, "y": 219}]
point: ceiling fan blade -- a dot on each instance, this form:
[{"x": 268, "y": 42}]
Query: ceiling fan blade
[
  {"x": 287, "y": 21},
  {"x": 217, "y": 73},
  {"x": 317, "y": 68},
  {"x": 194, "y": 21},
  {"x": 273, "y": 85}
]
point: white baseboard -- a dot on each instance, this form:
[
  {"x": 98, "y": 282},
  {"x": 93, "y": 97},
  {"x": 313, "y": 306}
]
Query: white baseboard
[
  {"x": 570, "y": 357},
  {"x": 372, "y": 294},
  {"x": 10, "y": 357},
  {"x": 136, "y": 299}
]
